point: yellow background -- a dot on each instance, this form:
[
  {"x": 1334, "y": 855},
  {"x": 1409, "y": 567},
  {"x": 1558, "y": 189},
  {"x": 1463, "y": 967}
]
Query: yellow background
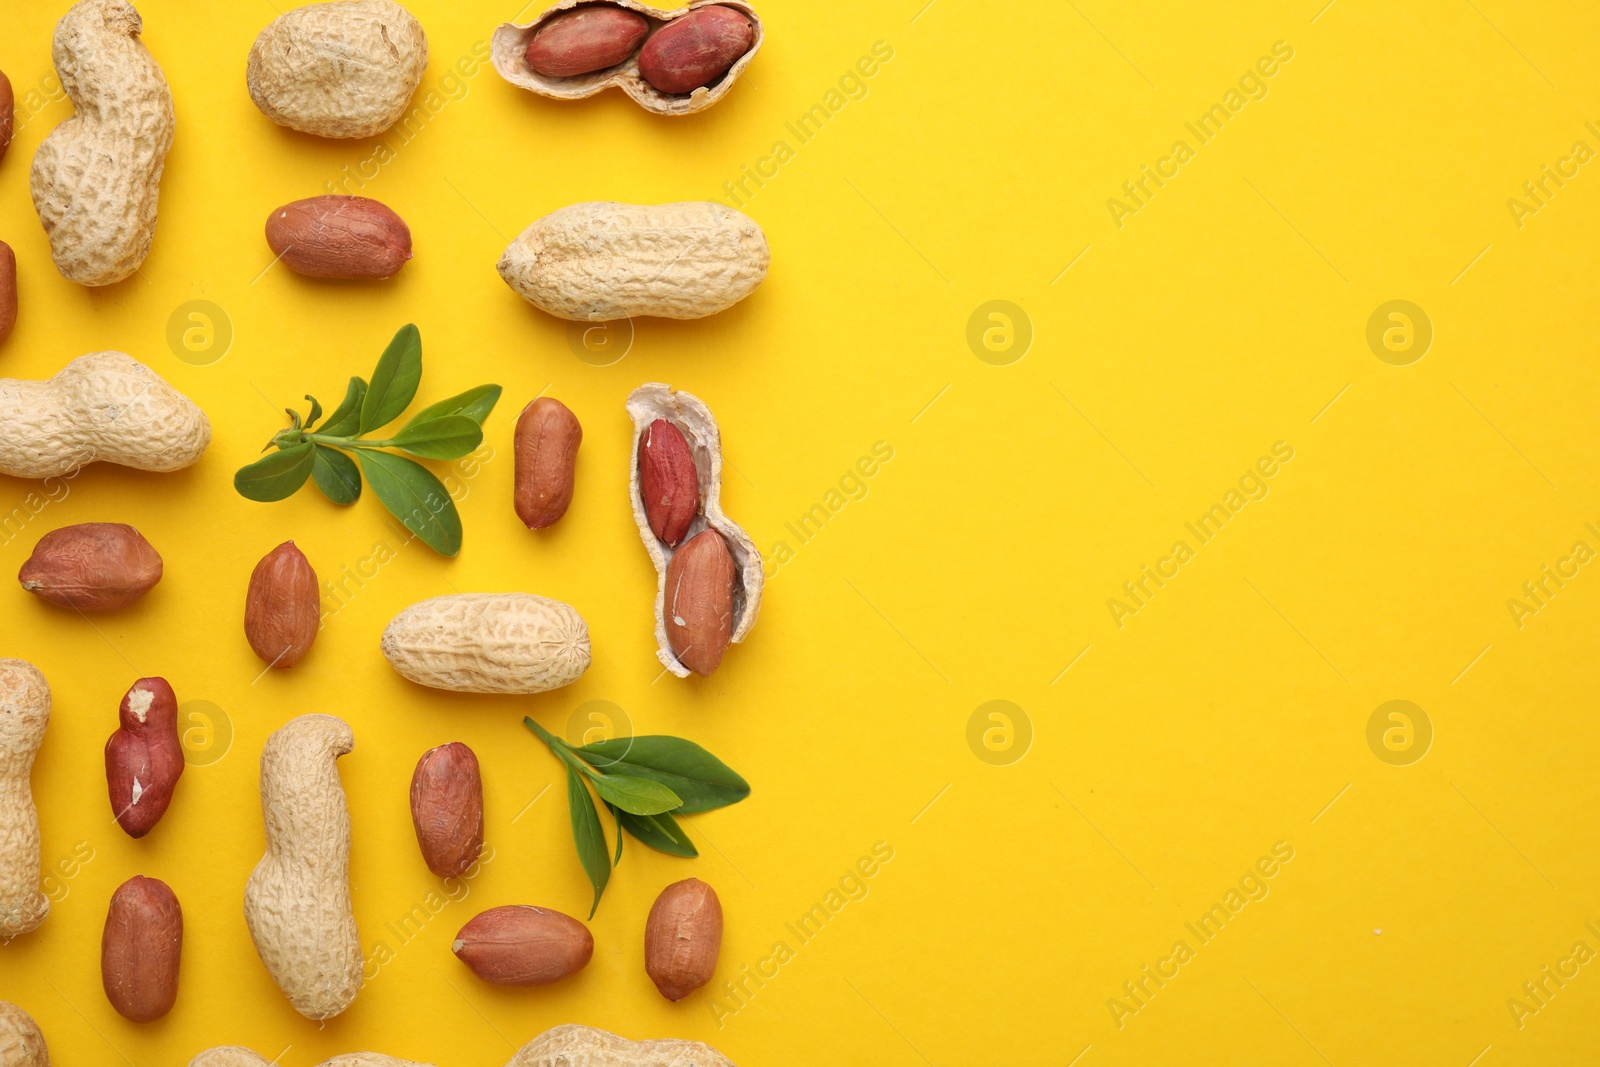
[{"x": 1227, "y": 715}]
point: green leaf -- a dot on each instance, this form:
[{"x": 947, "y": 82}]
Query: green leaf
[
  {"x": 395, "y": 381},
  {"x": 316, "y": 411},
  {"x": 637, "y": 796},
  {"x": 617, "y": 813},
  {"x": 444, "y": 437},
  {"x": 415, "y": 497},
  {"x": 699, "y": 778},
  {"x": 660, "y": 832},
  {"x": 591, "y": 840},
  {"x": 346, "y": 418},
  {"x": 336, "y": 475},
  {"x": 277, "y": 476},
  {"x": 475, "y": 404}
]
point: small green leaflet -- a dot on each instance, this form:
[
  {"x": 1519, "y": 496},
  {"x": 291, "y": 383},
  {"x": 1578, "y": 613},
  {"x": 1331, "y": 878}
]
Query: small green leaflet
[
  {"x": 445, "y": 437},
  {"x": 702, "y": 781},
  {"x": 475, "y": 404},
  {"x": 590, "y": 838},
  {"x": 346, "y": 418},
  {"x": 336, "y": 475},
  {"x": 415, "y": 497},
  {"x": 394, "y": 382},
  {"x": 660, "y": 832},
  {"x": 637, "y": 796},
  {"x": 277, "y": 476}
]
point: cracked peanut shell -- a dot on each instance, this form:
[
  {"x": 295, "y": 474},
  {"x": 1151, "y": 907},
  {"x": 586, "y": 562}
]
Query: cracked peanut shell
[
  {"x": 489, "y": 643},
  {"x": 691, "y": 416},
  {"x": 508, "y": 50},
  {"x": 598, "y": 262}
]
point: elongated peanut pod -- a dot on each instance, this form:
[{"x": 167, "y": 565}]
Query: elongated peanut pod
[
  {"x": 297, "y": 902},
  {"x": 24, "y": 714},
  {"x": 97, "y": 177},
  {"x": 572, "y": 1044},
  {"x": 597, "y": 262},
  {"x": 106, "y": 407}
]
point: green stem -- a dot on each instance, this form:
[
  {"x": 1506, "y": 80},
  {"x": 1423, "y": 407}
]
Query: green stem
[
  {"x": 347, "y": 442},
  {"x": 561, "y": 749}
]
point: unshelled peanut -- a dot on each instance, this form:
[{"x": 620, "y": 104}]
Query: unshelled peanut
[
  {"x": 93, "y": 566},
  {"x": 696, "y": 49},
  {"x": 447, "y": 809},
  {"x": 339, "y": 237},
  {"x": 523, "y": 945},
  {"x": 585, "y": 39},
  {"x": 144, "y": 757},
  {"x": 282, "y": 607},
  {"x": 141, "y": 948},
  {"x": 546, "y": 447},
  {"x": 683, "y": 937}
]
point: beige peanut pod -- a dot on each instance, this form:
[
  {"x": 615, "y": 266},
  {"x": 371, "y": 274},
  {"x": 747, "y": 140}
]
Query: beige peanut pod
[
  {"x": 508, "y": 50},
  {"x": 342, "y": 69},
  {"x": 584, "y": 1046},
  {"x": 234, "y": 1056},
  {"x": 597, "y": 262},
  {"x": 297, "y": 902},
  {"x": 24, "y": 714},
  {"x": 21, "y": 1043},
  {"x": 97, "y": 176},
  {"x": 699, "y": 428},
  {"x": 489, "y": 643},
  {"x": 104, "y": 407}
]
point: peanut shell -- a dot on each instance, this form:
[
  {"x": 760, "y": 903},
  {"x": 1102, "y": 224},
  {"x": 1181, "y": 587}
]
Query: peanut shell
[
  {"x": 691, "y": 416},
  {"x": 598, "y": 262},
  {"x": 584, "y": 1046},
  {"x": 106, "y": 407},
  {"x": 21, "y": 1043},
  {"x": 509, "y": 46},
  {"x": 489, "y": 643},
  {"x": 24, "y": 715},
  {"x": 97, "y": 176},
  {"x": 344, "y": 69}
]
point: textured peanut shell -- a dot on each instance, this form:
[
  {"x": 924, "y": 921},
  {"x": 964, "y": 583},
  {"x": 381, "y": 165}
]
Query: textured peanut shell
[
  {"x": 21, "y": 1043},
  {"x": 562, "y": 1046},
  {"x": 509, "y": 45},
  {"x": 584, "y": 1046},
  {"x": 690, "y": 415},
  {"x": 489, "y": 643},
  {"x": 24, "y": 714},
  {"x": 297, "y": 902},
  {"x": 342, "y": 69},
  {"x": 597, "y": 262},
  {"x": 97, "y": 176},
  {"x": 106, "y": 407},
  {"x": 234, "y": 1056}
]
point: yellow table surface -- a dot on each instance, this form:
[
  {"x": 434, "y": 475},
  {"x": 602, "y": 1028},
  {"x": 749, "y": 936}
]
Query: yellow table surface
[{"x": 1155, "y": 747}]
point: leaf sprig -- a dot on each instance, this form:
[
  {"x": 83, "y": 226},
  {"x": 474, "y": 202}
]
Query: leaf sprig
[
  {"x": 643, "y": 782},
  {"x": 449, "y": 429}
]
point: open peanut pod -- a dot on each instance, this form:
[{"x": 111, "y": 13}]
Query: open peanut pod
[
  {"x": 509, "y": 52},
  {"x": 708, "y": 589}
]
